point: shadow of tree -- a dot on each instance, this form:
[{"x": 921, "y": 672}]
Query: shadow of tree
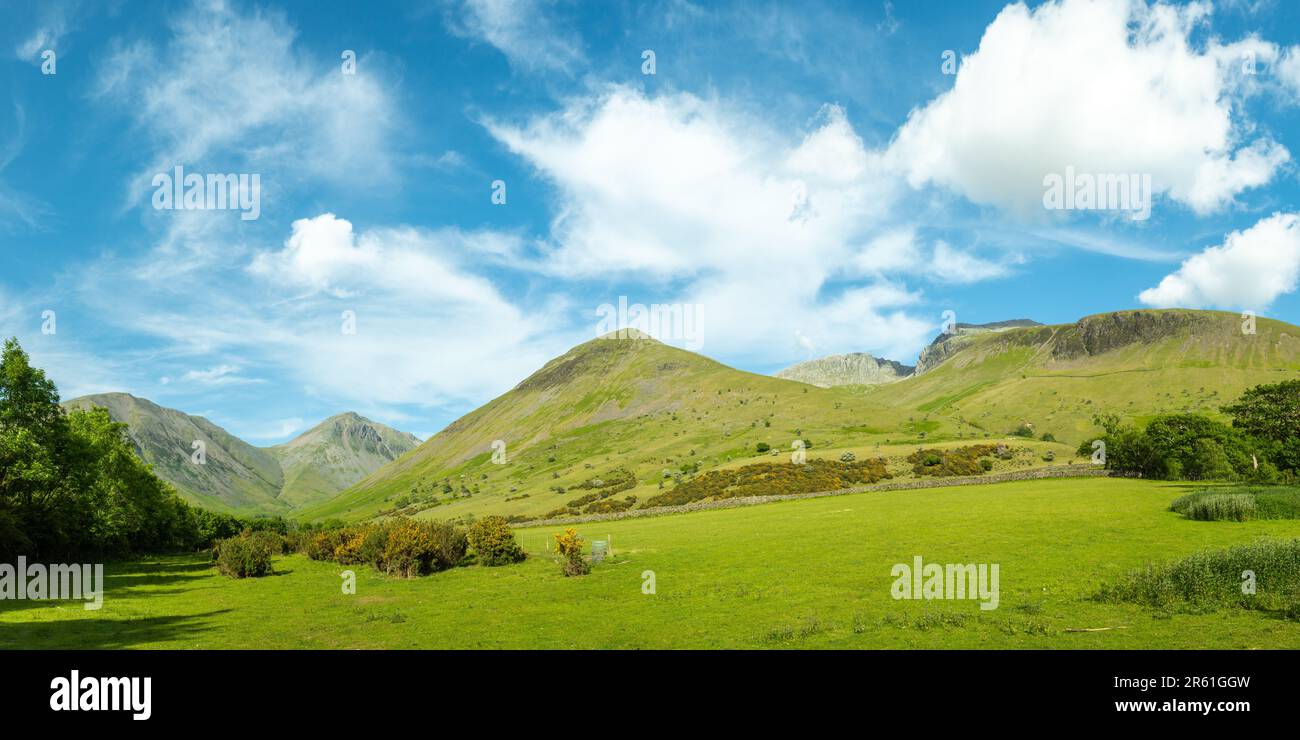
[
  {"x": 104, "y": 634},
  {"x": 133, "y": 584}
]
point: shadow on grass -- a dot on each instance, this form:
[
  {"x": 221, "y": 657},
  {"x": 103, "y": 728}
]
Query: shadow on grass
[
  {"x": 105, "y": 634},
  {"x": 132, "y": 580}
]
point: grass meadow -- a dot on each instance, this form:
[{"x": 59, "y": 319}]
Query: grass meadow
[{"x": 811, "y": 573}]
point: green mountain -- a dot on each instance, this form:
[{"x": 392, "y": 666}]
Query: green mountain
[
  {"x": 604, "y": 410},
  {"x": 634, "y": 410},
  {"x": 857, "y": 368},
  {"x": 335, "y": 454},
  {"x": 236, "y": 477},
  {"x": 1132, "y": 363},
  {"x": 948, "y": 343}
]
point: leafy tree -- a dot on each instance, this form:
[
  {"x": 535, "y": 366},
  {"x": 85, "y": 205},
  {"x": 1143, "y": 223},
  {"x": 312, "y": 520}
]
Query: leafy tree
[
  {"x": 72, "y": 483},
  {"x": 1271, "y": 413}
]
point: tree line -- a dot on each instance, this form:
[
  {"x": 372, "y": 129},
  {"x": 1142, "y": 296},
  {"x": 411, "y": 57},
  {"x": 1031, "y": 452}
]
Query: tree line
[
  {"x": 1261, "y": 444},
  {"x": 71, "y": 484}
]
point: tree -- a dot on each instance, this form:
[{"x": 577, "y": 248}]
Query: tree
[
  {"x": 33, "y": 443},
  {"x": 1271, "y": 413},
  {"x": 72, "y": 484}
]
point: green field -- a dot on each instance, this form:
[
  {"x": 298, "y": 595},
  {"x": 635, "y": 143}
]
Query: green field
[{"x": 799, "y": 574}]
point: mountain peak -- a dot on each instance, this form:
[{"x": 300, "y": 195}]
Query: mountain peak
[{"x": 855, "y": 368}]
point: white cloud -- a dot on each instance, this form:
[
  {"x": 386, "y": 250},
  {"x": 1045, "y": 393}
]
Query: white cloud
[
  {"x": 1248, "y": 271},
  {"x": 1287, "y": 70},
  {"x": 219, "y": 375},
  {"x": 429, "y": 331},
  {"x": 50, "y": 29},
  {"x": 231, "y": 92},
  {"x": 523, "y": 30},
  {"x": 1105, "y": 86},
  {"x": 954, "y": 266},
  {"x": 706, "y": 205}
]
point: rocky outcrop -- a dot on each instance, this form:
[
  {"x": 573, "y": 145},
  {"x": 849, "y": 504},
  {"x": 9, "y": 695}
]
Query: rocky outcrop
[
  {"x": 858, "y": 368},
  {"x": 948, "y": 344},
  {"x": 1093, "y": 335}
]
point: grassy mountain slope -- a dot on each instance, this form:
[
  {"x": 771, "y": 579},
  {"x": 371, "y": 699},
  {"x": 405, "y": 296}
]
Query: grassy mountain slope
[
  {"x": 614, "y": 407},
  {"x": 1132, "y": 363},
  {"x": 334, "y": 454},
  {"x": 606, "y": 408},
  {"x": 236, "y": 477}
]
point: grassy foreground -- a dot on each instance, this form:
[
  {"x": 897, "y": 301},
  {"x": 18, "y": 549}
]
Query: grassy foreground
[{"x": 800, "y": 574}]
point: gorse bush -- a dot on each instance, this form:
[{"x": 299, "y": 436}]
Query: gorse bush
[
  {"x": 569, "y": 546},
  {"x": 246, "y": 555},
  {"x": 494, "y": 541},
  {"x": 957, "y": 461},
  {"x": 403, "y": 547},
  {"x": 772, "y": 479},
  {"x": 1216, "y": 578}
]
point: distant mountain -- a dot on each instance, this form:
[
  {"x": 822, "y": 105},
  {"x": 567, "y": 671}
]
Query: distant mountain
[
  {"x": 858, "y": 368},
  {"x": 950, "y": 342},
  {"x": 237, "y": 477},
  {"x": 335, "y": 454}
]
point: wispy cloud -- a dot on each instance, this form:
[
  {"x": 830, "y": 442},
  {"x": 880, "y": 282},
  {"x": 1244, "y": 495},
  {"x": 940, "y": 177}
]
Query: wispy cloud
[{"x": 523, "y": 30}]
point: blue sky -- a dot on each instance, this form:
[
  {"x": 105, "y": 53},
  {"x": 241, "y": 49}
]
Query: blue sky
[{"x": 810, "y": 176}]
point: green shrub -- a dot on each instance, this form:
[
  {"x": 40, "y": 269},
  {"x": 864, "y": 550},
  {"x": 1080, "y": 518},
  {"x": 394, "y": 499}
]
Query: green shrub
[
  {"x": 1220, "y": 507},
  {"x": 1215, "y": 578},
  {"x": 243, "y": 556},
  {"x": 763, "y": 447},
  {"x": 494, "y": 542},
  {"x": 1240, "y": 503}
]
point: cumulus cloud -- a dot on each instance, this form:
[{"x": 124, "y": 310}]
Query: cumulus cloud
[
  {"x": 703, "y": 204},
  {"x": 1249, "y": 270},
  {"x": 1105, "y": 86}
]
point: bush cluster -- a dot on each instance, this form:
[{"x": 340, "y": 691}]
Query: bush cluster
[
  {"x": 772, "y": 479},
  {"x": 404, "y": 547},
  {"x": 968, "y": 460}
]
